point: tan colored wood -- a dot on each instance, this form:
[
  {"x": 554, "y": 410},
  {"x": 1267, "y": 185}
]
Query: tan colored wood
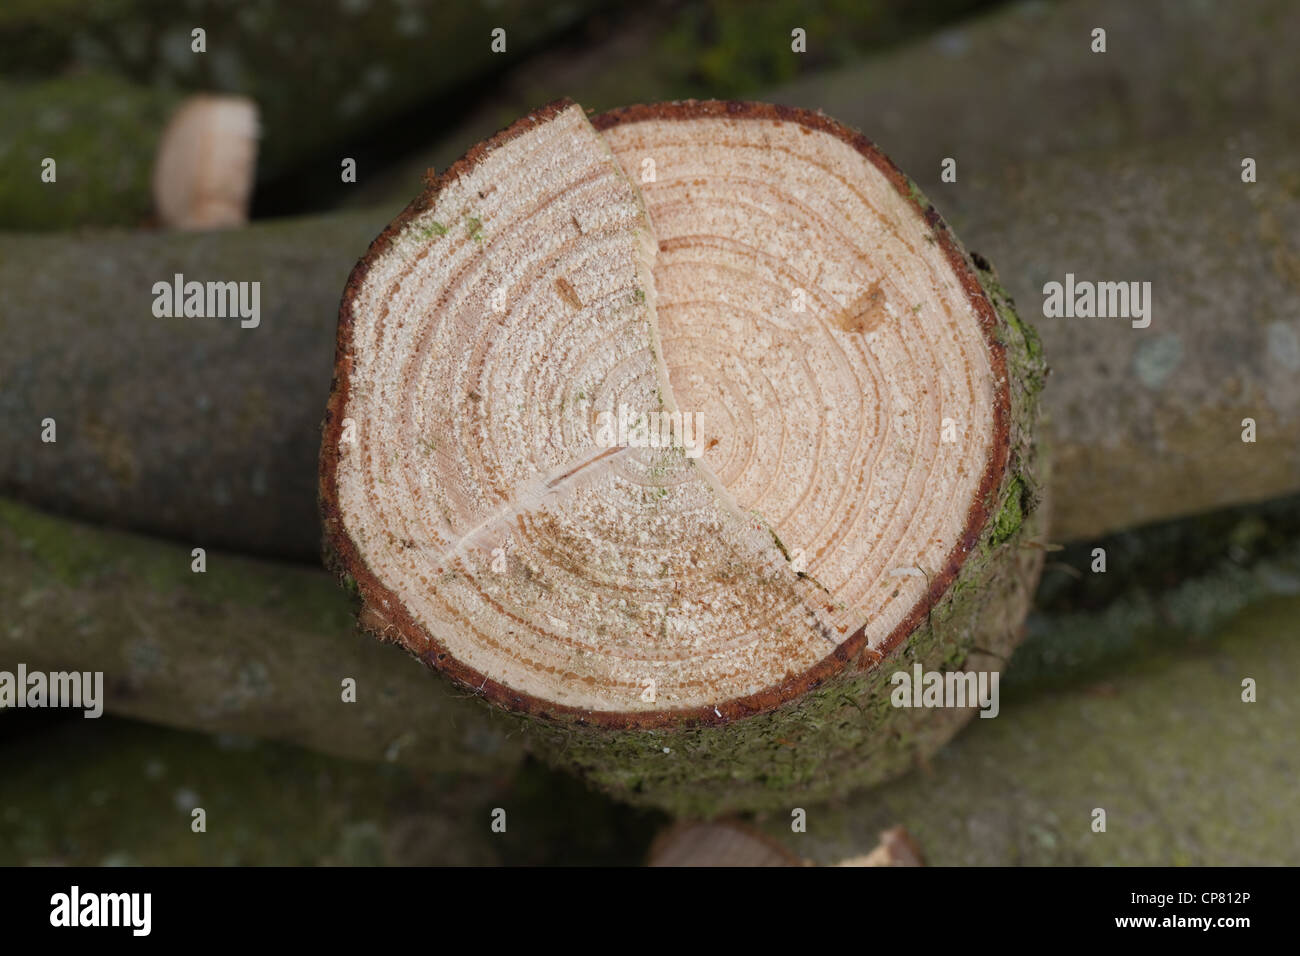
[
  {"x": 769, "y": 281},
  {"x": 207, "y": 162}
]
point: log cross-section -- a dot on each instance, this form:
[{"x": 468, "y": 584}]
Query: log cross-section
[{"x": 678, "y": 424}]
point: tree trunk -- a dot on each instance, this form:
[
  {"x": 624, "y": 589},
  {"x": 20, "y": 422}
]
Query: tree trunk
[{"x": 702, "y": 617}]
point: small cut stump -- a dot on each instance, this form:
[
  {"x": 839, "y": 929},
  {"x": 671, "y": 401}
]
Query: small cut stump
[{"x": 679, "y": 431}]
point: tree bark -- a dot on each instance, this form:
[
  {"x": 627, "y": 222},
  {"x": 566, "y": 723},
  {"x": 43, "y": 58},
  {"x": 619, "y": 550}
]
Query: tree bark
[
  {"x": 368, "y": 65},
  {"x": 1163, "y": 745},
  {"x": 247, "y": 646}
]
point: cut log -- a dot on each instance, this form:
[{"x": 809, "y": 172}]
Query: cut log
[
  {"x": 896, "y": 848},
  {"x": 206, "y": 164},
  {"x": 731, "y": 843},
  {"x": 700, "y": 613},
  {"x": 725, "y": 843}
]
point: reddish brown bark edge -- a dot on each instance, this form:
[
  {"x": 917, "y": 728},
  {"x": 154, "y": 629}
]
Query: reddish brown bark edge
[{"x": 385, "y": 614}]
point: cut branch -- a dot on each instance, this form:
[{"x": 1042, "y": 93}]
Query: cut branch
[{"x": 868, "y": 399}]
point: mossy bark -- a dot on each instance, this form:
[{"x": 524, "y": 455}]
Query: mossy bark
[
  {"x": 102, "y": 133},
  {"x": 246, "y": 646},
  {"x": 1188, "y": 773},
  {"x": 368, "y": 63}
]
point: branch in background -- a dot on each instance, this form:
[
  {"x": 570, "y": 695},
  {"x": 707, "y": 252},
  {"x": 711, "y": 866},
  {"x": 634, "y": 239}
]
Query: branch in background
[
  {"x": 1021, "y": 83},
  {"x": 1166, "y": 587},
  {"x": 260, "y": 648},
  {"x": 1147, "y": 423},
  {"x": 247, "y": 646},
  {"x": 1187, "y": 773},
  {"x": 977, "y": 90},
  {"x": 217, "y": 442},
  {"x": 360, "y": 67},
  {"x": 100, "y": 131},
  {"x": 271, "y": 804},
  {"x": 196, "y": 429}
]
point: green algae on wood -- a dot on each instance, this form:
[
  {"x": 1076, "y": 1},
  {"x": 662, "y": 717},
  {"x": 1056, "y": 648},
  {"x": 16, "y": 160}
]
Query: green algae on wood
[{"x": 102, "y": 133}]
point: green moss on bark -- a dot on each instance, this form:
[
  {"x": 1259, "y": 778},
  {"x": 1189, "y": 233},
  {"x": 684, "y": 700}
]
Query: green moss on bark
[
  {"x": 248, "y": 646},
  {"x": 102, "y": 133},
  {"x": 1188, "y": 773}
]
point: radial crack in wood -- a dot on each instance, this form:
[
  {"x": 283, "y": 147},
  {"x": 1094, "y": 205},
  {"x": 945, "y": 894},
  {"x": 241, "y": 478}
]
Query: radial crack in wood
[
  {"x": 689, "y": 416},
  {"x": 478, "y": 494},
  {"x": 813, "y": 321}
]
